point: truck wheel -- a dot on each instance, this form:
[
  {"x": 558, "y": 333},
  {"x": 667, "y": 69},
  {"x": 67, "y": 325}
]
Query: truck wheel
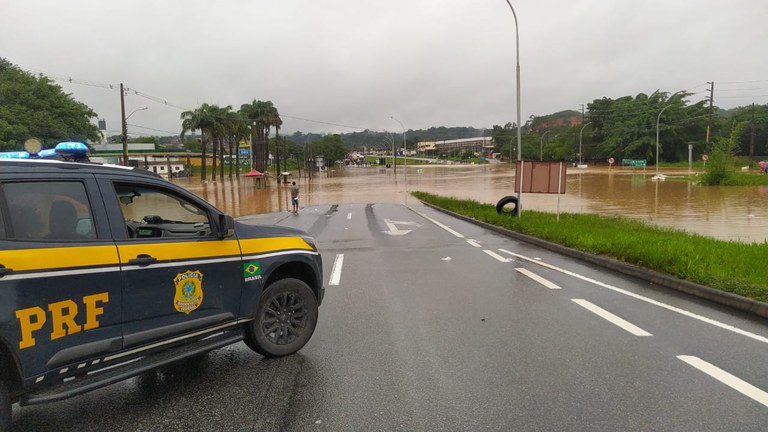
[
  {"x": 507, "y": 206},
  {"x": 286, "y": 316}
]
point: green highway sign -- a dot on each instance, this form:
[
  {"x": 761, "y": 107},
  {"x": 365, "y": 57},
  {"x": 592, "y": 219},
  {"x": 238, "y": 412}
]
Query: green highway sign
[{"x": 634, "y": 162}]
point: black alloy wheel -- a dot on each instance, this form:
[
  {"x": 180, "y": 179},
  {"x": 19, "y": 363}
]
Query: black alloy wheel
[{"x": 286, "y": 316}]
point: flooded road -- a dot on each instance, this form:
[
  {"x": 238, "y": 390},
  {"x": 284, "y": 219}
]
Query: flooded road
[{"x": 726, "y": 213}]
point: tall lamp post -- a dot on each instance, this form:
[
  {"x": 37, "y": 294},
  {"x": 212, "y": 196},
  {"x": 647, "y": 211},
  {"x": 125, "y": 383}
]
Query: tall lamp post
[
  {"x": 391, "y": 142},
  {"x": 125, "y": 131},
  {"x": 581, "y": 154},
  {"x": 405, "y": 153},
  {"x": 519, "y": 134},
  {"x": 541, "y": 147},
  {"x": 657, "y": 137}
]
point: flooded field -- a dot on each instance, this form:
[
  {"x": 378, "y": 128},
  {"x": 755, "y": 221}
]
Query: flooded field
[{"x": 727, "y": 213}]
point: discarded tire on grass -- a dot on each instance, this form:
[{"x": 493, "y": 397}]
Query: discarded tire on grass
[{"x": 507, "y": 206}]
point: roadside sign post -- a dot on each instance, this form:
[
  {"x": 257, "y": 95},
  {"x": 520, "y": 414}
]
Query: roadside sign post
[
  {"x": 541, "y": 177},
  {"x": 705, "y": 157},
  {"x": 611, "y": 160}
]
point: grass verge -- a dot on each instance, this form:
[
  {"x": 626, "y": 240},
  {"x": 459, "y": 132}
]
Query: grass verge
[{"x": 734, "y": 267}]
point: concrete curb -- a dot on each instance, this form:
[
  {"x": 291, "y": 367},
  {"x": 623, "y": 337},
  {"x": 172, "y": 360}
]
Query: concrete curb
[{"x": 721, "y": 297}]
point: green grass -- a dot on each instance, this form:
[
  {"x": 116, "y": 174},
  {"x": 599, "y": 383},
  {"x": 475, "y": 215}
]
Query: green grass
[
  {"x": 744, "y": 179},
  {"x": 734, "y": 267}
]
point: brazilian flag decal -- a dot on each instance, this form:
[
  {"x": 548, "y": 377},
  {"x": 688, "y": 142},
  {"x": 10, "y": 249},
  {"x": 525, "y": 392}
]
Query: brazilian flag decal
[{"x": 251, "y": 271}]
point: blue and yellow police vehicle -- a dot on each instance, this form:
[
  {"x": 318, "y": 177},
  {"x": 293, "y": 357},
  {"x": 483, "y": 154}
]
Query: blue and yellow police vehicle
[{"x": 107, "y": 272}]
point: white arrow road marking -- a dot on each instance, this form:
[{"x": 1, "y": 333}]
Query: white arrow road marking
[
  {"x": 393, "y": 230},
  {"x": 724, "y": 377},
  {"x": 336, "y": 272},
  {"x": 626, "y": 325},
  {"x": 537, "y": 278},
  {"x": 349, "y": 216},
  {"x": 497, "y": 256},
  {"x": 474, "y": 243},
  {"x": 646, "y": 299}
]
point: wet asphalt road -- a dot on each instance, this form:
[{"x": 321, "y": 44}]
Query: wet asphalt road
[{"x": 435, "y": 324}]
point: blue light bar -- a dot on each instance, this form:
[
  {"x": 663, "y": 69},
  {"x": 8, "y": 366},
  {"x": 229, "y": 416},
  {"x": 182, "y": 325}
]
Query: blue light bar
[
  {"x": 46, "y": 153},
  {"x": 71, "y": 147},
  {"x": 14, "y": 155},
  {"x": 74, "y": 151}
]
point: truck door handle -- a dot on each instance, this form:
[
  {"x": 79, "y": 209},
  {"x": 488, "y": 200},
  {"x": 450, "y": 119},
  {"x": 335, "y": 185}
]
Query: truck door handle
[
  {"x": 143, "y": 260},
  {"x": 4, "y": 271}
]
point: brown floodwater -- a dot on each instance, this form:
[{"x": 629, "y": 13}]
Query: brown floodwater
[{"x": 727, "y": 213}]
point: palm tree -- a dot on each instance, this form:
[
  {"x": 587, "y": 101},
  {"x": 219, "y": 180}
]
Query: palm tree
[
  {"x": 218, "y": 133},
  {"x": 199, "y": 118},
  {"x": 262, "y": 116},
  {"x": 237, "y": 129}
]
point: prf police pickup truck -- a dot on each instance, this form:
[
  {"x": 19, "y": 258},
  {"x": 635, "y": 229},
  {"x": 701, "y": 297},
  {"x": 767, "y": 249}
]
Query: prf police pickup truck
[{"x": 107, "y": 272}]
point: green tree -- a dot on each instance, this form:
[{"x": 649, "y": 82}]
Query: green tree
[
  {"x": 262, "y": 116},
  {"x": 237, "y": 129},
  {"x": 504, "y": 139},
  {"x": 202, "y": 119},
  {"x": 331, "y": 147},
  {"x": 720, "y": 166},
  {"x": 626, "y": 127},
  {"x": 33, "y": 106}
]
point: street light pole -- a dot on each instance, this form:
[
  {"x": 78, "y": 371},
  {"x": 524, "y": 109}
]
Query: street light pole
[
  {"x": 405, "y": 153},
  {"x": 541, "y": 147},
  {"x": 657, "y": 137},
  {"x": 125, "y": 124},
  {"x": 581, "y": 155},
  {"x": 519, "y": 134}
]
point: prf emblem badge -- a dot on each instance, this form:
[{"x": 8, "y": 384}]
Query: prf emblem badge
[{"x": 189, "y": 291}]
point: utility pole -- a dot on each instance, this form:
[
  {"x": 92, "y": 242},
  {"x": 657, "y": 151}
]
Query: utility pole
[
  {"x": 125, "y": 126},
  {"x": 752, "y": 136},
  {"x": 709, "y": 118},
  {"x": 582, "y": 113}
]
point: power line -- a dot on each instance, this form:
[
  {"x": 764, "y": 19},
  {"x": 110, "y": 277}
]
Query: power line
[
  {"x": 152, "y": 129},
  {"x": 742, "y": 82}
]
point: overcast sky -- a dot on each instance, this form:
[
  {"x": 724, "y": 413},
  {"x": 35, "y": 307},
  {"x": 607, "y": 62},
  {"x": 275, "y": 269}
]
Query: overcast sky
[{"x": 333, "y": 66}]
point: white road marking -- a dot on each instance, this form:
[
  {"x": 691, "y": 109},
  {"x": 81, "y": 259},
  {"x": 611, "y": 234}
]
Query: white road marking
[
  {"x": 626, "y": 325},
  {"x": 336, "y": 272},
  {"x": 457, "y": 234},
  {"x": 446, "y": 259},
  {"x": 497, "y": 256},
  {"x": 474, "y": 243},
  {"x": 726, "y": 378},
  {"x": 349, "y": 216},
  {"x": 394, "y": 230},
  {"x": 647, "y": 300},
  {"x": 537, "y": 278}
]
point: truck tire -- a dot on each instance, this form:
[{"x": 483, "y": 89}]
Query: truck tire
[
  {"x": 285, "y": 318},
  {"x": 507, "y": 206}
]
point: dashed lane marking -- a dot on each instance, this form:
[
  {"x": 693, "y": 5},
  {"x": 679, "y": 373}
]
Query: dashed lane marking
[
  {"x": 726, "y": 378},
  {"x": 646, "y": 299},
  {"x": 602, "y": 313},
  {"x": 497, "y": 256},
  {"x": 537, "y": 278},
  {"x": 336, "y": 272}
]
